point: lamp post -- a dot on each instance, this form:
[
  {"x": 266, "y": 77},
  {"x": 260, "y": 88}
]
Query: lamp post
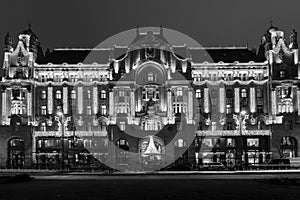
[{"x": 61, "y": 120}]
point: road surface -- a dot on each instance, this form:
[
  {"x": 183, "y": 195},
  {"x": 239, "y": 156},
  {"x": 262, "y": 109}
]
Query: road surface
[{"x": 185, "y": 186}]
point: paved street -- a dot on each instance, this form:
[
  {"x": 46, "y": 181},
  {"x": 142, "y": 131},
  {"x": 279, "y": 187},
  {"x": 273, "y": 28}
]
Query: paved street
[{"x": 188, "y": 186}]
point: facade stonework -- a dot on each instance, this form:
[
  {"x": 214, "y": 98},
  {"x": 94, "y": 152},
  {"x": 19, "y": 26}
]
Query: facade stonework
[{"x": 126, "y": 105}]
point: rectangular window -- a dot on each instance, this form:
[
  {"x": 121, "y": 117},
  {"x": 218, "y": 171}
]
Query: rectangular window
[
  {"x": 43, "y": 127},
  {"x": 103, "y": 94},
  {"x": 207, "y": 142},
  {"x": 122, "y": 126},
  {"x": 121, "y": 93},
  {"x": 229, "y": 126},
  {"x": 230, "y": 142},
  {"x": 43, "y": 110},
  {"x": 179, "y": 92},
  {"x": 228, "y": 109},
  {"x": 213, "y": 126},
  {"x": 103, "y": 109},
  {"x": 88, "y": 110},
  {"x": 252, "y": 142}
]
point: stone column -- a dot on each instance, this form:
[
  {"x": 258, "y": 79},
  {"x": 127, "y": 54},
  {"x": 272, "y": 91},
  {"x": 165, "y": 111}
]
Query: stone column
[
  {"x": 222, "y": 99},
  {"x": 33, "y": 149},
  {"x": 298, "y": 101},
  {"x": 162, "y": 99},
  {"x": 190, "y": 104},
  {"x": 50, "y": 100},
  {"x": 170, "y": 106},
  {"x": 80, "y": 100},
  {"x": 237, "y": 100},
  {"x": 29, "y": 103},
  {"x": 132, "y": 103},
  {"x": 65, "y": 100},
  {"x": 111, "y": 103},
  {"x": 4, "y": 106},
  {"x": 273, "y": 102},
  {"x": 139, "y": 99},
  {"x": 95, "y": 100},
  {"x": 162, "y": 57},
  {"x": 8, "y": 105},
  {"x": 206, "y": 100},
  {"x": 252, "y": 100}
]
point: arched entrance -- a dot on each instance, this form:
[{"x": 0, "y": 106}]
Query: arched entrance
[
  {"x": 122, "y": 156},
  {"x": 288, "y": 147},
  {"x": 181, "y": 152},
  {"x": 151, "y": 149},
  {"x": 16, "y": 153}
]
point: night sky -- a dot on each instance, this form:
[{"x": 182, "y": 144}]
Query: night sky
[{"x": 72, "y": 23}]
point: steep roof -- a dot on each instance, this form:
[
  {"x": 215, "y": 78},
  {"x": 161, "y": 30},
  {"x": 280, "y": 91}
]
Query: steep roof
[
  {"x": 224, "y": 54},
  {"x": 75, "y": 56}
]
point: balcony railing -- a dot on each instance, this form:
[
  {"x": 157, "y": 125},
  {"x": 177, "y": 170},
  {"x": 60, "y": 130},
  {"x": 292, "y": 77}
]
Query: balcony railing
[
  {"x": 221, "y": 133},
  {"x": 71, "y": 133}
]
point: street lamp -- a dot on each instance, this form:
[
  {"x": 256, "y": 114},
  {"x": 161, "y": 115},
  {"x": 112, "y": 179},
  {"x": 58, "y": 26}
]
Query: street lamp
[{"x": 61, "y": 120}]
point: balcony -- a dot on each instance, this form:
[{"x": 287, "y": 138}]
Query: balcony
[
  {"x": 70, "y": 133},
  {"x": 222, "y": 133}
]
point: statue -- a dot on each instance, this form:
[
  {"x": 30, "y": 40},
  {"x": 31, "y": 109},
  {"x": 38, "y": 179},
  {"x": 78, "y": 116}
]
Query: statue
[
  {"x": 293, "y": 40},
  {"x": 8, "y": 42}
]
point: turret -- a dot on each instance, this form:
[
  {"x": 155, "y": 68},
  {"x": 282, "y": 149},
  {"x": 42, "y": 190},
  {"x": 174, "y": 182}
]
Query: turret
[
  {"x": 293, "y": 40},
  {"x": 8, "y": 43}
]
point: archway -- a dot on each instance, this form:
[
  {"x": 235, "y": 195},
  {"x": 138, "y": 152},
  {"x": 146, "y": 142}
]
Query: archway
[
  {"x": 288, "y": 147},
  {"x": 181, "y": 152},
  {"x": 122, "y": 156},
  {"x": 16, "y": 153},
  {"x": 151, "y": 149}
]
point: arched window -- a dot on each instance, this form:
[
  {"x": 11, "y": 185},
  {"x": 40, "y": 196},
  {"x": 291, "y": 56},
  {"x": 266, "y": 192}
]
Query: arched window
[
  {"x": 282, "y": 74},
  {"x": 43, "y": 94},
  {"x": 88, "y": 94},
  {"x": 180, "y": 143},
  {"x": 229, "y": 93},
  {"x": 103, "y": 109},
  {"x": 58, "y": 94},
  {"x": 87, "y": 143},
  {"x": 16, "y": 153},
  {"x": 198, "y": 94},
  {"x": 150, "y": 76},
  {"x": 244, "y": 93},
  {"x": 73, "y": 94},
  {"x": 122, "y": 151},
  {"x": 103, "y": 94},
  {"x": 288, "y": 147},
  {"x": 179, "y": 92},
  {"x": 259, "y": 93}
]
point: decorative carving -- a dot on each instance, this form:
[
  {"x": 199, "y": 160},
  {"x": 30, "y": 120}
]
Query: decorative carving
[
  {"x": 206, "y": 100},
  {"x": 237, "y": 100},
  {"x": 222, "y": 99},
  {"x": 50, "y": 100},
  {"x": 252, "y": 100},
  {"x": 80, "y": 100}
]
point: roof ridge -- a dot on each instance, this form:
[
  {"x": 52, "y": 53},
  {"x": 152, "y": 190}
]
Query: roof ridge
[
  {"x": 224, "y": 47},
  {"x": 79, "y": 49}
]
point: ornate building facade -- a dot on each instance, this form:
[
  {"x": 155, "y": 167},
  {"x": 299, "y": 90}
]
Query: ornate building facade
[{"x": 147, "y": 104}]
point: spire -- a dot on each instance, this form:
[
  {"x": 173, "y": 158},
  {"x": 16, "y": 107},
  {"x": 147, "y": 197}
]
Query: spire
[
  {"x": 161, "y": 32},
  {"x": 8, "y": 43},
  {"x": 29, "y": 26},
  {"x": 271, "y": 22},
  {"x": 137, "y": 30}
]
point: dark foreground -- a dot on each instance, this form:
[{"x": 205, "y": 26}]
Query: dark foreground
[{"x": 151, "y": 187}]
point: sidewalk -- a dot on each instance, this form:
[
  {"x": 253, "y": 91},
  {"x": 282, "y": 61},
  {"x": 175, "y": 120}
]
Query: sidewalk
[{"x": 4, "y": 172}]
